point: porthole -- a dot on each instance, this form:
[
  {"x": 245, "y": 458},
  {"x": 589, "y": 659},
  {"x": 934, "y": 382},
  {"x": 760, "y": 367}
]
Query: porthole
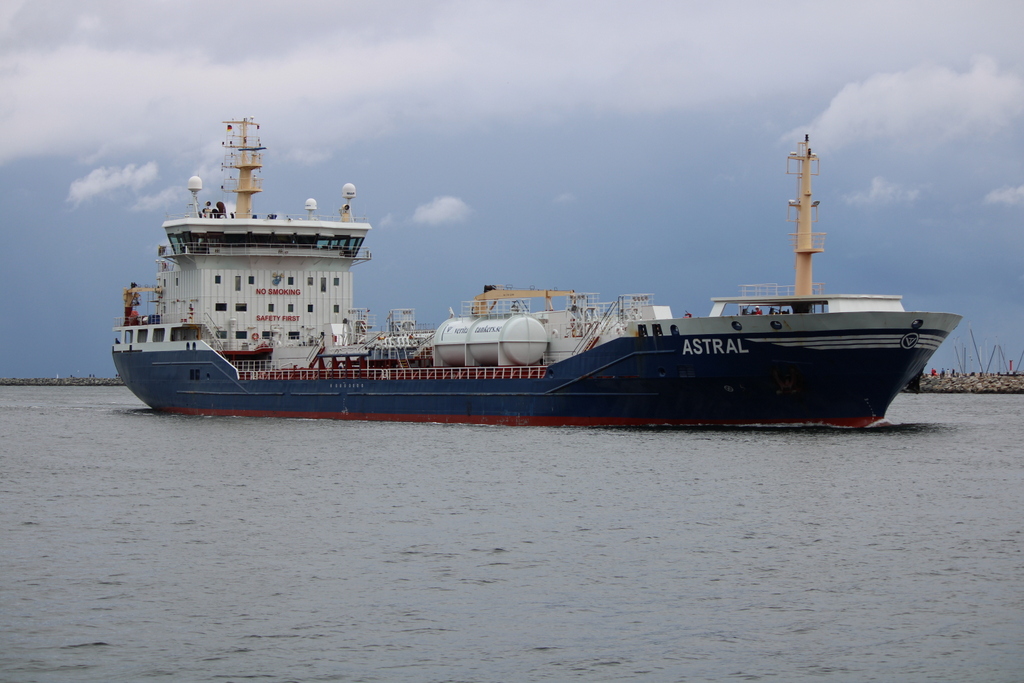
[
  {"x": 736, "y": 325},
  {"x": 776, "y": 325},
  {"x": 917, "y": 323},
  {"x": 661, "y": 372}
]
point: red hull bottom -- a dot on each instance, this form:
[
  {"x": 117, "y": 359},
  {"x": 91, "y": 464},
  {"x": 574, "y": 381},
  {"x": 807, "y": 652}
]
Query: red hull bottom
[{"x": 533, "y": 420}]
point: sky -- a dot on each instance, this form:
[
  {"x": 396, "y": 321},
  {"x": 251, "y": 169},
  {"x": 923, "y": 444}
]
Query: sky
[{"x": 606, "y": 147}]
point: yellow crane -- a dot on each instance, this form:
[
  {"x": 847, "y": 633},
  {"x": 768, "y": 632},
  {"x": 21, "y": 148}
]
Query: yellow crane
[{"x": 495, "y": 293}]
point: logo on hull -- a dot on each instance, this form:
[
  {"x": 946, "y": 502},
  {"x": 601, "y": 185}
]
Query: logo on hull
[{"x": 909, "y": 340}]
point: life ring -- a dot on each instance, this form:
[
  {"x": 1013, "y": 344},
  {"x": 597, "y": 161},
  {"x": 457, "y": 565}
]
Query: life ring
[{"x": 255, "y": 337}]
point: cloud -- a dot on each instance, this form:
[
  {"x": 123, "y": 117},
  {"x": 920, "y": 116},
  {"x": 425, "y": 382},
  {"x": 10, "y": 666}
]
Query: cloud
[
  {"x": 107, "y": 179},
  {"x": 162, "y": 200},
  {"x": 436, "y": 64},
  {"x": 882, "y": 192},
  {"x": 1006, "y": 195},
  {"x": 922, "y": 105},
  {"x": 442, "y": 210}
]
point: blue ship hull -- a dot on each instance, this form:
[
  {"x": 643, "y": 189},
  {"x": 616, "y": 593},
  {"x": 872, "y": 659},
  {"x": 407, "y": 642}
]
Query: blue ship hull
[{"x": 655, "y": 380}]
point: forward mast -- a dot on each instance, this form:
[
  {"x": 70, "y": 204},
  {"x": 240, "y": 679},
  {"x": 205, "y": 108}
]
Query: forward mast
[{"x": 804, "y": 163}]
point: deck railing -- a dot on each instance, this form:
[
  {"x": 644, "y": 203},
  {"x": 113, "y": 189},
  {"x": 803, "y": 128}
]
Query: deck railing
[
  {"x": 501, "y": 372},
  {"x": 245, "y": 248}
]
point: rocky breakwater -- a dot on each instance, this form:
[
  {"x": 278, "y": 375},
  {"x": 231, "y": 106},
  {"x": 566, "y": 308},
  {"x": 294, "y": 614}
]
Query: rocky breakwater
[
  {"x": 61, "y": 382},
  {"x": 975, "y": 383}
]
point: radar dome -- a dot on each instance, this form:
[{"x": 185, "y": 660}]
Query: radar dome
[
  {"x": 195, "y": 184},
  {"x": 310, "y": 204},
  {"x": 348, "y": 191}
]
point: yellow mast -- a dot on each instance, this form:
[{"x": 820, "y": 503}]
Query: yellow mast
[
  {"x": 804, "y": 164},
  {"x": 243, "y": 153}
]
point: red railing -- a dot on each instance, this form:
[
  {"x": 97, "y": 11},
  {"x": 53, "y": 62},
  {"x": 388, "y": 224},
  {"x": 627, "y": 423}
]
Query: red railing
[{"x": 504, "y": 372}]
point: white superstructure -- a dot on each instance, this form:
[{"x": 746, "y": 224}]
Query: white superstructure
[{"x": 250, "y": 284}]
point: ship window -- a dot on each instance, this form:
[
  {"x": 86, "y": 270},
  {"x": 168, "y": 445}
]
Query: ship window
[
  {"x": 309, "y": 308},
  {"x": 337, "y": 281},
  {"x": 158, "y": 334},
  {"x": 309, "y": 281},
  {"x": 270, "y": 308},
  {"x": 291, "y": 308},
  {"x": 220, "y": 307},
  {"x": 216, "y": 279},
  {"x": 127, "y": 336},
  {"x": 221, "y": 334},
  {"x": 143, "y": 336},
  {"x": 323, "y": 284},
  {"x": 685, "y": 371},
  {"x": 294, "y": 334},
  {"x": 266, "y": 334},
  {"x": 675, "y": 330},
  {"x": 240, "y": 334},
  {"x": 337, "y": 308},
  {"x": 241, "y": 307},
  {"x": 656, "y": 327},
  {"x": 238, "y": 283},
  {"x": 641, "y": 330},
  {"x": 252, "y": 279},
  {"x": 175, "y": 282},
  {"x": 291, "y": 280}
]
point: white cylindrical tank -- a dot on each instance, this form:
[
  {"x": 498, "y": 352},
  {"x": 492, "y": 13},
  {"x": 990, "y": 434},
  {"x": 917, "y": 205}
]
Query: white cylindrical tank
[
  {"x": 484, "y": 339},
  {"x": 450, "y": 342},
  {"x": 519, "y": 340},
  {"x": 523, "y": 341}
]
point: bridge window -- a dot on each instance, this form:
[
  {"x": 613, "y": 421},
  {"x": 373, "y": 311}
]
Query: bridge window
[
  {"x": 641, "y": 330},
  {"x": 238, "y": 283},
  {"x": 216, "y": 279},
  {"x": 143, "y": 336},
  {"x": 220, "y": 307},
  {"x": 240, "y": 334},
  {"x": 675, "y": 330},
  {"x": 252, "y": 279},
  {"x": 241, "y": 307},
  {"x": 656, "y": 327},
  {"x": 158, "y": 334},
  {"x": 323, "y": 284}
]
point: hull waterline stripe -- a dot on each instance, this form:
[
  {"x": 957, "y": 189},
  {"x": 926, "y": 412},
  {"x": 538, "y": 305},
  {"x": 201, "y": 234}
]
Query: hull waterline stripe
[{"x": 535, "y": 420}]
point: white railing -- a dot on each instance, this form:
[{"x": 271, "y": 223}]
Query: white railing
[
  {"x": 332, "y": 218},
  {"x": 246, "y": 248},
  {"x": 774, "y": 289}
]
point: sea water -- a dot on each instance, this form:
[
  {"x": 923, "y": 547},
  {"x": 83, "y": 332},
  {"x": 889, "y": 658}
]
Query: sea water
[{"x": 141, "y": 546}]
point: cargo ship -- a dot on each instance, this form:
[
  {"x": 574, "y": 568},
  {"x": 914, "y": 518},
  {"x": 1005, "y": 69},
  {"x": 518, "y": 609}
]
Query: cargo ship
[{"x": 254, "y": 315}]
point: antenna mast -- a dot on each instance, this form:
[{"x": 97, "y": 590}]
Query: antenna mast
[
  {"x": 804, "y": 163},
  {"x": 243, "y": 153}
]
